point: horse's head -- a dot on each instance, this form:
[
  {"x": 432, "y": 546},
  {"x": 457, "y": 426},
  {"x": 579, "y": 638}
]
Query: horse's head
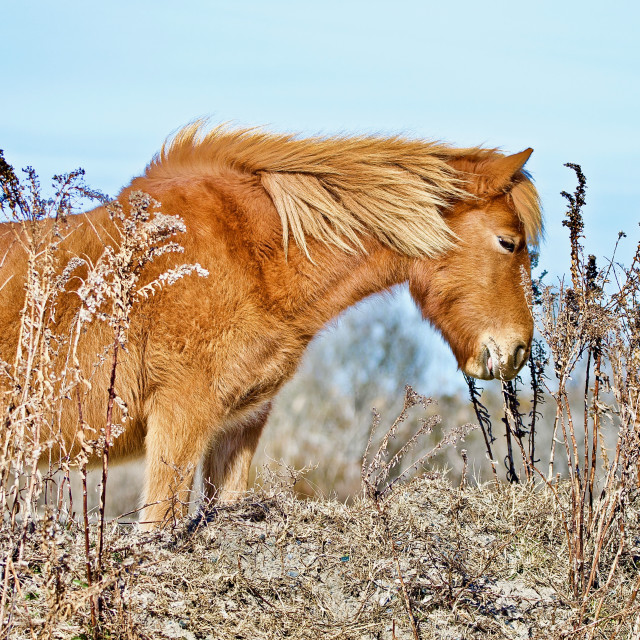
[{"x": 474, "y": 293}]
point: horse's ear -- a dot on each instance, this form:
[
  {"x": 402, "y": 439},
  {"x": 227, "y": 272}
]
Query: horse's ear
[{"x": 503, "y": 170}]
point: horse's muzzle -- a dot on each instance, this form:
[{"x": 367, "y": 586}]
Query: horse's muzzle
[{"x": 495, "y": 361}]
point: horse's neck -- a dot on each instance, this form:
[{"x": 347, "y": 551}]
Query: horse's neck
[
  {"x": 336, "y": 281},
  {"x": 309, "y": 291}
]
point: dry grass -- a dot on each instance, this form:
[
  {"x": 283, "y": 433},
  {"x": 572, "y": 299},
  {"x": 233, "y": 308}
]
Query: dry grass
[{"x": 481, "y": 562}]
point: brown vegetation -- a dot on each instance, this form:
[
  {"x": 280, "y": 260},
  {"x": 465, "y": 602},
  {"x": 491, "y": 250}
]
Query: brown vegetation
[{"x": 478, "y": 562}]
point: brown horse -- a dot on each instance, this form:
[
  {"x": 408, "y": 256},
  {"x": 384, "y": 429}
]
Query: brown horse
[{"x": 292, "y": 232}]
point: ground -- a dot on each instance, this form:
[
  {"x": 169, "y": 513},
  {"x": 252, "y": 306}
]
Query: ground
[{"x": 487, "y": 561}]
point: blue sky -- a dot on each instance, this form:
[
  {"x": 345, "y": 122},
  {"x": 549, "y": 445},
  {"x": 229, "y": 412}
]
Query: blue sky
[{"x": 100, "y": 85}]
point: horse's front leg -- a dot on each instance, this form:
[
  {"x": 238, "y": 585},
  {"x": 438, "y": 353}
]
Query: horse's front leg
[
  {"x": 177, "y": 435},
  {"x": 227, "y": 462}
]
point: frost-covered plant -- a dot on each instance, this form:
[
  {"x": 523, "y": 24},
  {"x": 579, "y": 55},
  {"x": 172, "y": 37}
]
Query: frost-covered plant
[
  {"x": 36, "y": 385},
  {"x": 589, "y": 329}
]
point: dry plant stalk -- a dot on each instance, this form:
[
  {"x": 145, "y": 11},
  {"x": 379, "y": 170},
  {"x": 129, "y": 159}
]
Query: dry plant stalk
[
  {"x": 580, "y": 321},
  {"x": 35, "y": 386},
  {"x": 144, "y": 235},
  {"x": 375, "y": 472},
  {"x": 484, "y": 421},
  {"x": 593, "y": 321}
]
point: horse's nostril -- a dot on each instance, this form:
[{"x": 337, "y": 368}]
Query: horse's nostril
[{"x": 519, "y": 356}]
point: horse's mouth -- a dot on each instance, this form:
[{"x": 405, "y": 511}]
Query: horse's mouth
[
  {"x": 488, "y": 362},
  {"x": 480, "y": 367},
  {"x": 489, "y": 365}
]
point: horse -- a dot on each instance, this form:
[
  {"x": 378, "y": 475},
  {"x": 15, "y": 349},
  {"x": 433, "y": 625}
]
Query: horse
[{"x": 292, "y": 232}]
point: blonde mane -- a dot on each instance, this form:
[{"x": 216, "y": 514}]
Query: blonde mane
[{"x": 340, "y": 189}]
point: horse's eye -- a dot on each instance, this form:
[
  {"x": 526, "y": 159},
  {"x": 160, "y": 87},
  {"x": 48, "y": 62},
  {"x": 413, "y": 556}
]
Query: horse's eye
[{"x": 507, "y": 244}]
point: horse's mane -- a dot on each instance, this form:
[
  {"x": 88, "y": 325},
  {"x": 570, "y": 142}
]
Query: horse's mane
[{"x": 338, "y": 189}]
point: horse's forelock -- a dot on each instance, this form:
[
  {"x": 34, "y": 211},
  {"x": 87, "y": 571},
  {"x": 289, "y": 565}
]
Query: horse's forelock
[{"x": 526, "y": 202}]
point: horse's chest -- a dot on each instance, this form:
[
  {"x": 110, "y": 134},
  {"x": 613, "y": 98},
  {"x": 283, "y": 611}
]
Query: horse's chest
[{"x": 259, "y": 373}]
